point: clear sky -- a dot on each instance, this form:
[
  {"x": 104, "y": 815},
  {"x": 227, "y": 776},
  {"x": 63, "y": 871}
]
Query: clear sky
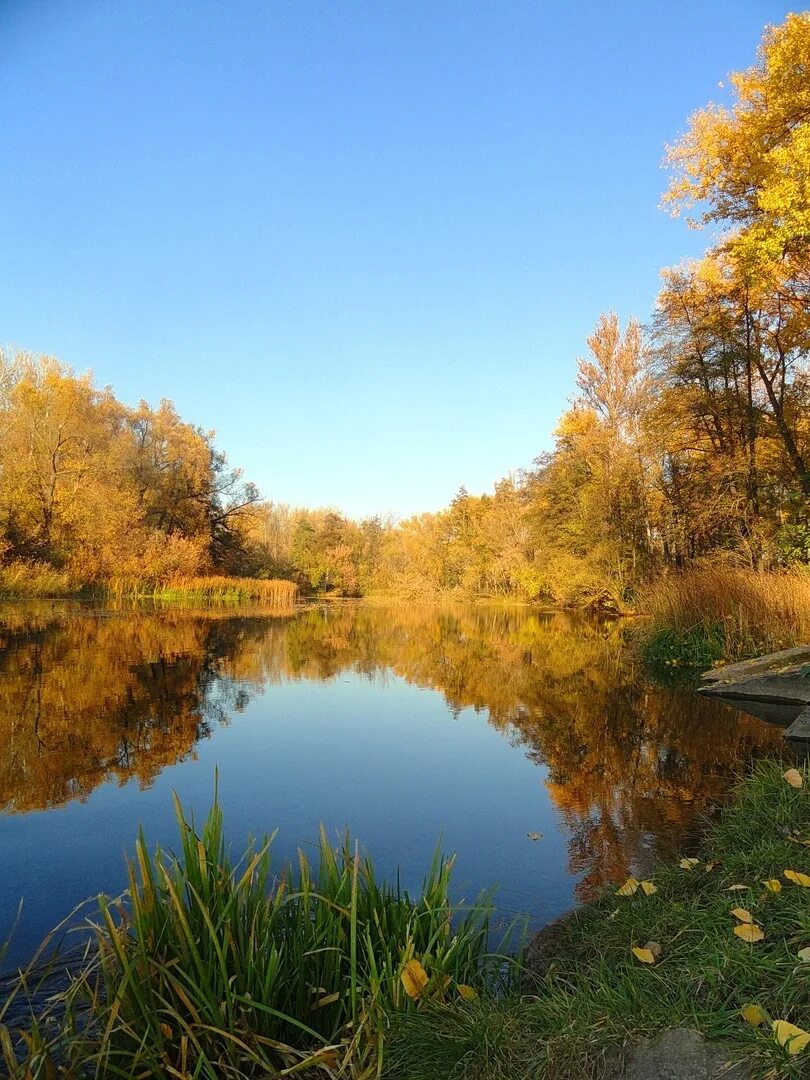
[{"x": 364, "y": 241}]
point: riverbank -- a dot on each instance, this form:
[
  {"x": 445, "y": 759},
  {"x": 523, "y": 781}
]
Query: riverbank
[
  {"x": 719, "y": 942},
  {"x": 218, "y": 969}
]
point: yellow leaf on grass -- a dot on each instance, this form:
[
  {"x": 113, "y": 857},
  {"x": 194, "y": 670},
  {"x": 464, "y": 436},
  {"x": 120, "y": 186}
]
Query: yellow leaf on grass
[
  {"x": 711, "y": 864},
  {"x": 648, "y": 888},
  {"x": 688, "y": 864},
  {"x": 804, "y": 954},
  {"x": 798, "y": 878},
  {"x": 467, "y": 992},
  {"x": 754, "y": 1015},
  {"x": 773, "y": 884},
  {"x": 793, "y": 1038},
  {"x": 794, "y": 778},
  {"x": 167, "y": 1031},
  {"x": 736, "y": 888},
  {"x": 646, "y": 956},
  {"x": 741, "y": 914},
  {"x": 414, "y": 979},
  {"x": 748, "y": 932},
  {"x": 629, "y": 888}
]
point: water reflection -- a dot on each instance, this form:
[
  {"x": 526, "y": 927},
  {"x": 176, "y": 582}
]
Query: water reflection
[{"x": 88, "y": 697}]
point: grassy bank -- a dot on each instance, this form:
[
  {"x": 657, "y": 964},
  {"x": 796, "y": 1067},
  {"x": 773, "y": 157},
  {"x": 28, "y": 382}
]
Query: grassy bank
[
  {"x": 212, "y": 969},
  {"x": 702, "y": 617},
  {"x": 594, "y": 998}
]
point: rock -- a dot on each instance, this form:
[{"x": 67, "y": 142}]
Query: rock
[{"x": 683, "y": 1054}]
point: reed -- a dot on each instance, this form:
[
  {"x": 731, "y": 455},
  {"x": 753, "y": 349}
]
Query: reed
[
  {"x": 35, "y": 579},
  {"x": 208, "y": 968},
  {"x": 714, "y": 614},
  {"x": 215, "y": 589}
]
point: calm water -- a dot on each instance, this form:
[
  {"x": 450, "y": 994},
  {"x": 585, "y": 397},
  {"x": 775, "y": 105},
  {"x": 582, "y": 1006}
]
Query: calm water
[{"x": 479, "y": 725}]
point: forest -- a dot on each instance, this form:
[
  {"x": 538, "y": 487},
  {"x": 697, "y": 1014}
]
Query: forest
[{"x": 686, "y": 442}]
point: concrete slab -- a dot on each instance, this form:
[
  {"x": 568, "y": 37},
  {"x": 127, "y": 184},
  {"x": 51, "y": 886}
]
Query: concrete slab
[
  {"x": 799, "y": 730},
  {"x": 781, "y": 678},
  {"x": 773, "y": 663}
]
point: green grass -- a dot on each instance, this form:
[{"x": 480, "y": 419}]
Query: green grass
[
  {"x": 594, "y": 998},
  {"x": 672, "y": 654},
  {"x": 209, "y": 969}
]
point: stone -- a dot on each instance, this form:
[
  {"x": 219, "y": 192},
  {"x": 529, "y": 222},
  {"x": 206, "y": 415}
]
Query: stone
[{"x": 683, "y": 1054}]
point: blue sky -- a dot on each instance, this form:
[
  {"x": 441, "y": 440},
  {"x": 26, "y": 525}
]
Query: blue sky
[{"x": 364, "y": 241}]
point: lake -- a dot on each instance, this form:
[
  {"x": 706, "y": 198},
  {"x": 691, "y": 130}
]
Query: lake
[{"x": 473, "y": 725}]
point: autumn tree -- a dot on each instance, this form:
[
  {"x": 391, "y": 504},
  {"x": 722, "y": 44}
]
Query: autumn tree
[
  {"x": 747, "y": 168},
  {"x": 106, "y": 491}
]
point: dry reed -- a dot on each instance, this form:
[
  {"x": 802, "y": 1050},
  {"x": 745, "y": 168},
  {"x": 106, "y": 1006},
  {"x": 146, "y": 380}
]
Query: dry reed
[{"x": 746, "y": 612}]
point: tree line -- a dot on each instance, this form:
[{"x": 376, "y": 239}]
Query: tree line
[{"x": 687, "y": 439}]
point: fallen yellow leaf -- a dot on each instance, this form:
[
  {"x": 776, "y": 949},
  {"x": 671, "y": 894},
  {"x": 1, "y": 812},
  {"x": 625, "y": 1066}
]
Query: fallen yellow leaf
[
  {"x": 649, "y": 888},
  {"x": 773, "y": 884},
  {"x": 688, "y": 864},
  {"x": 646, "y": 956},
  {"x": 629, "y": 888},
  {"x": 414, "y": 979},
  {"x": 799, "y": 879},
  {"x": 748, "y": 932},
  {"x": 804, "y": 954},
  {"x": 794, "y": 778},
  {"x": 741, "y": 914},
  {"x": 167, "y": 1031},
  {"x": 754, "y": 1015},
  {"x": 736, "y": 888},
  {"x": 711, "y": 864},
  {"x": 467, "y": 992},
  {"x": 793, "y": 1038}
]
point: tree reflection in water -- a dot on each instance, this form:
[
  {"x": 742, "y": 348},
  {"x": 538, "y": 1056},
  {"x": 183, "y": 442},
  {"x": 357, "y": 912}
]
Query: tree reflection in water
[{"x": 91, "y": 696}]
